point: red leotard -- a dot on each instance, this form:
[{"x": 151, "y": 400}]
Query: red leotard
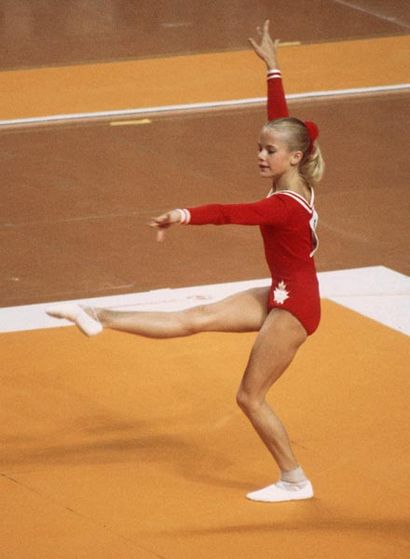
[{"x": 287, "y": 223}]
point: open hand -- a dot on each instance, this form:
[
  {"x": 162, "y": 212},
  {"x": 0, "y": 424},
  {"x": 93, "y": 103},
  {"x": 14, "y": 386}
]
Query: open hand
[
  {"x": 266, "y": 48},
  {"x": 163, "y": 222}
]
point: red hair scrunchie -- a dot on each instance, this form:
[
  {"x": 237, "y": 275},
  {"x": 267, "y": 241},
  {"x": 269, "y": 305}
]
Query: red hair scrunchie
[{"x": 313, "y": 132}]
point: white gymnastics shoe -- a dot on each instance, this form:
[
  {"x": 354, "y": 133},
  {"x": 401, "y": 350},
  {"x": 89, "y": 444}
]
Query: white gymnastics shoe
[
  {"x": 74, "y": 313},
  {"x": 282, "y": 491}
]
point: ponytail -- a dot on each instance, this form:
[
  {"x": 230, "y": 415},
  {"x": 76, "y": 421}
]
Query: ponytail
[
  {"x": 299, "y": 138},
  {"x": 312, "y": 167}
]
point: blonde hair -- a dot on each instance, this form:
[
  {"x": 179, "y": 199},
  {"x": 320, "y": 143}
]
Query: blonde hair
[{"x": 312, "y": 165}]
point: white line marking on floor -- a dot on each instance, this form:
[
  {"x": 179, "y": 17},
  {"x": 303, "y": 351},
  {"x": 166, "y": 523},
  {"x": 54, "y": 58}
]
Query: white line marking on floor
[
  {"x": 372, "y": 13},
  {"x": 375, "y": 292},
  {"x": 138, "y": 122},
  {"x": 176, "y": 24},
  {"x": 64, "y": 118}
]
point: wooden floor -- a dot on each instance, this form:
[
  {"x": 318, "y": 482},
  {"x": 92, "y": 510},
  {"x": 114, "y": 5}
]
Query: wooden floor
[
  {"x": 57, "y": 34},
  {"x": 132, "y": 448},
  {"x": 76, "y": 199}
]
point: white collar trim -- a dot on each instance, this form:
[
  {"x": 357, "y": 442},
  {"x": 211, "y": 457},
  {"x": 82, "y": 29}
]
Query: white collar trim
[{"x": 307, "y": 205}]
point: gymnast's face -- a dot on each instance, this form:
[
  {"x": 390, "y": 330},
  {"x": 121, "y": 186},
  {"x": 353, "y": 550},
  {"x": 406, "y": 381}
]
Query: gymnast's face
[{"x": 274, "y": 157}]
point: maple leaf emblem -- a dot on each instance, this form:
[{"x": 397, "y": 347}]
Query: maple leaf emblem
[{"x": 280, "y": 293}]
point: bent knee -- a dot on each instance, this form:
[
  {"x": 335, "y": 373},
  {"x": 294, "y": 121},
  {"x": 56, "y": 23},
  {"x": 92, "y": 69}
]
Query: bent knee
[{"x": 248, "y": 403}]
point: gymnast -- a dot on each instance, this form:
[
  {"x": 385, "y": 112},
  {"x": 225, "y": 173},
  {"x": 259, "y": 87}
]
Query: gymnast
[{"x": 284, "y": 314}]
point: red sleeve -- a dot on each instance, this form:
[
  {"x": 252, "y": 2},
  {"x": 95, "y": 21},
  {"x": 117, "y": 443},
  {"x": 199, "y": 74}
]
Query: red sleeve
[
  {"x": 277, "y": 106},
  {"x": 269, "y": 211}
]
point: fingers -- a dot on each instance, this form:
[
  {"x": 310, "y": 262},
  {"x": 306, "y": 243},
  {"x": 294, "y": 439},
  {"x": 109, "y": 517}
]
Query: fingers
[
  {"x": 253, "y": 43},
  {"x": 164, "y": 221},
  {"x": 160, "y": 235},
  {"x": 264, "y": 47},
  {"x": 264, "y": 36},
  {"x": 160, "y": 221}
]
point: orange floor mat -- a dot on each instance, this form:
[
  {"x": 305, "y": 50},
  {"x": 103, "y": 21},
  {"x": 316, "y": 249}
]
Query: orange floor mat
[
  {"x": 124, "y": 447},
  {"x": 198, "y": 78}
]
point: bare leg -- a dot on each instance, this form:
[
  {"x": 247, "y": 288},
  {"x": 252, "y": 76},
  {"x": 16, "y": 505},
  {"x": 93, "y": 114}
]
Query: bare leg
[
  {"x": 276, "y": 345},
  {"x": 274, "y": 349},
  {"x": 243, "y": 312}
]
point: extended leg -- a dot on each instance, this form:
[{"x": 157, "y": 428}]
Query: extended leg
[{"x": 242, "y": 312}]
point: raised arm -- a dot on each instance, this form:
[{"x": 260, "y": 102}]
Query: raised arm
[{"x": 266, "y": 49}]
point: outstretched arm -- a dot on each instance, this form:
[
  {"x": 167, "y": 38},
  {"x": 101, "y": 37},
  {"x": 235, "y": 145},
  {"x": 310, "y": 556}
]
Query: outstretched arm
[
  {"x": 266, "y": 49},
  {"x": 269, "y": 211}
]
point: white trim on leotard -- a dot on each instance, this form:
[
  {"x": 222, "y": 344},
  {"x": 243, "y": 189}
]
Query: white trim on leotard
[
  {"x": 309, "y": 206},
  {"x": 302, "y": 201}
]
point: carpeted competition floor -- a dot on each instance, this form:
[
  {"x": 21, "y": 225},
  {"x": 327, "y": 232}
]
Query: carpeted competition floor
[{"x": 131, "y": 448}]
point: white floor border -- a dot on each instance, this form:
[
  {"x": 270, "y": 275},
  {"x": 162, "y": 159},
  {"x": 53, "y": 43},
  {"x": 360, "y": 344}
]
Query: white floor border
[
  {"x": 376, "y": 292},
  {"x": 187, "y": 107}
]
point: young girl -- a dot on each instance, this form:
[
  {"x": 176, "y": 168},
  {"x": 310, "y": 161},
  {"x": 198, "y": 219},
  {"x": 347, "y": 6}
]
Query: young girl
[{"x": 284, "y": 314}]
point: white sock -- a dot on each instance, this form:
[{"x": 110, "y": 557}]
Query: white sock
[
  {"x": 296, "y": 476},
  {"x": 76, "y": 314}
]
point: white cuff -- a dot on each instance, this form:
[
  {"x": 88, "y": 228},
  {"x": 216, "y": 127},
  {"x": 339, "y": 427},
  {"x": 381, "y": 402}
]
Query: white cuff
[
  {"x": 272, "y": 74},
  {"x": 185, "y": 216}
]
